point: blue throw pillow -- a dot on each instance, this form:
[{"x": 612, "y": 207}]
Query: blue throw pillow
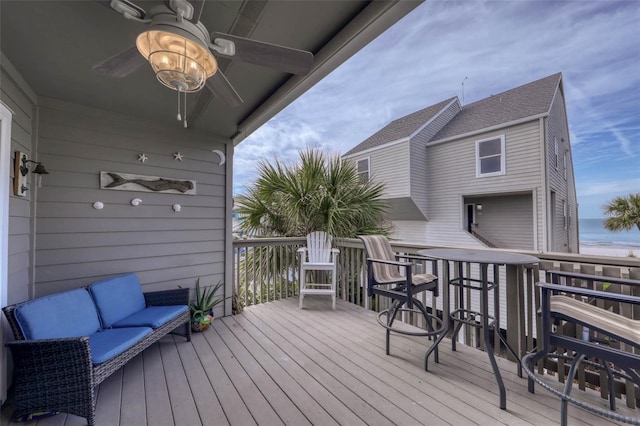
[
  {"x": 67, "y": 314},
  {"x": 117, "y": 298}
]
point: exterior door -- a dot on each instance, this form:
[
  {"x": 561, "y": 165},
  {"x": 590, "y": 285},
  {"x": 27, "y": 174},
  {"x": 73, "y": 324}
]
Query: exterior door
[
  {"x": 470, "y": 216},
  {"x": 5, "y": 177}
]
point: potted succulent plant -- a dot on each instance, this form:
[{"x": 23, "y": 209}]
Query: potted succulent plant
[{"x": 202, "y": 306}]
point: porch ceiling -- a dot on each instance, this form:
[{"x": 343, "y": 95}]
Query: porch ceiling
[{"x": 55, "y": 44}]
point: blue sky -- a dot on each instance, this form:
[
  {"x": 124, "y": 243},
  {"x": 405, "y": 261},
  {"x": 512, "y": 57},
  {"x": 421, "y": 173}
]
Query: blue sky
[{"x": 497, "y": 45}]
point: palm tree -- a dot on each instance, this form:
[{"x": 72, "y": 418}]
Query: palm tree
[
  {"x": 623, "y": 212},
  {"x": 320, "y": 193}
]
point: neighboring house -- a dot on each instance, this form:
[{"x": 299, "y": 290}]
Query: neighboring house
[{"x": 497, "y": 172}]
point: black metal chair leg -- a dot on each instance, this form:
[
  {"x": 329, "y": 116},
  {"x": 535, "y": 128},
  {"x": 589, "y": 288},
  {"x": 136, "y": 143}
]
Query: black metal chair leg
[
  {"x": 434, "y": 347},
  {"x": 454, "y": 336},
  {"x": 567, "y": 388},
  {"x": 531, "y": 363},
  {"x": 393, "y": 311}
]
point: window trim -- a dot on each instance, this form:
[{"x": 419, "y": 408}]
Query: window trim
[
  {"x": 368, "y": 159},
  {"x": 566, "y": 173},
  {"x": 556, "y": 152},
  {"x": 503, "y": 161}
]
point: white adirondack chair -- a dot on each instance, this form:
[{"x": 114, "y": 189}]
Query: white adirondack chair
[{"x": 318, "y": 256}]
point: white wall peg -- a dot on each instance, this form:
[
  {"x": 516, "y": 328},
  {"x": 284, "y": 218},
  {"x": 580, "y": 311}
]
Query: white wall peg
[
  {"x": 98, "y": 205},
  {"x": 136, "y": 202},
  {"x": 176, "y": 207}
]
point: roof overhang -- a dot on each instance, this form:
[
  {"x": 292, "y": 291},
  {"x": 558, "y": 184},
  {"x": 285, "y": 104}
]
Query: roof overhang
[
  {"x": 54, "y": 45},
  {"x": 404, "y": 208}
]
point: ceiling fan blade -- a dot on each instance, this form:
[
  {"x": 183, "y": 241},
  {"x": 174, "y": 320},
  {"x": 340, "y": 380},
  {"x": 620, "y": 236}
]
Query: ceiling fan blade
[
  {"x": 105, "y": 3},
  {"x": 223, "y": 90},
  {"x": 122, "y": 64},
  {"x": 285, "y": 59},
  {"x": 198, "y": 5}
]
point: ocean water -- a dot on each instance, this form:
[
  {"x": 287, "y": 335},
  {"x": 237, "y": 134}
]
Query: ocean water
[{"x": 593, "y": 233}]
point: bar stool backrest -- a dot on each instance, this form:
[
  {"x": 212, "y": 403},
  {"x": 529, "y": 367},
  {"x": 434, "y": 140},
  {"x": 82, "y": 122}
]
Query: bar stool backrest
[{"x": 378, "y": 247}]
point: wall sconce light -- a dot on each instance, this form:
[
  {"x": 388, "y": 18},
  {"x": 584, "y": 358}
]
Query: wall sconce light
[
  {"x": 39, "y": 169},
  {"x": 479, "y": 207},
  {"x": 21, "y": 170}
]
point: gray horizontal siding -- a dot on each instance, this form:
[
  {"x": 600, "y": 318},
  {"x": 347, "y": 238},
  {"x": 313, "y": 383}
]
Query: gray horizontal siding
[
  {"x": 389, "y": 164},
  {"x": 110, "y": 239},
  {"x": 419, "y": 172},
  {"x": 96, "y": 225},
  {"x": 556, "y": 129},
  {"x": 78, "y": 244},
  {"x": 145, "y": 260},
  {"x": 20, "y": 99},
  {"x": 18, "y": 263},
  {"x": 124, "y": 210},
  {"x": 507, "y": 220},
  {"x": 452, "y": 176}
]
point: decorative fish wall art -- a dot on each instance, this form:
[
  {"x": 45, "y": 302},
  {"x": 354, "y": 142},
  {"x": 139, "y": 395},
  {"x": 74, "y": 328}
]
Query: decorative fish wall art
[{"x": 129, "y": 182}]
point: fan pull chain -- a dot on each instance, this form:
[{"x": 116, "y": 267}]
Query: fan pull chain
[
  {"x": 179, "y": 117},
  {"x": 185, "y": 109}
]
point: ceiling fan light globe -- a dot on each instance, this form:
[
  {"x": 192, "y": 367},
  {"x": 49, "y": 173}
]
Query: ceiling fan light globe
[
  {"x": 178, "y": 72},
  {"x": 179, "y": 62}
]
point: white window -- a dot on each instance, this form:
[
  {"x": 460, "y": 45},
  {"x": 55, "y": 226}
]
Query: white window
[
  {"x": 490, "y": 157},
  {"x": 565, "y": 216},
  {"x": 555, "y": 150},
  {"x": 363, "y": 169},
  {"x": 565, "y": 165}
]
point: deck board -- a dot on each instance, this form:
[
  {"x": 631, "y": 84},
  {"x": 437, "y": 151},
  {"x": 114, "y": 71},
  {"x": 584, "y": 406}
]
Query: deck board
[
  {"x": 159, "y": 408},
  {"x": 200, "y": 387},
  {"x": 313, "y": 413},
  {"x": 346, "y": 406},
  {"x": 253, "y": 398},
  {"x": 133, "y": 410},
  {"x": 395, "y": 393},
  {"x": 276, "y": 364},
  {"x": 442, "y": 397}
]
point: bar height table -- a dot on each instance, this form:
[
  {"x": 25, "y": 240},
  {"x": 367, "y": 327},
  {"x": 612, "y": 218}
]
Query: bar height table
[{"x": 460, "y": 316}]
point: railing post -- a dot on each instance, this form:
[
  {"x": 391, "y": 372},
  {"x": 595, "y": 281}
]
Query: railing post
[{"x": 515, "y": 309}]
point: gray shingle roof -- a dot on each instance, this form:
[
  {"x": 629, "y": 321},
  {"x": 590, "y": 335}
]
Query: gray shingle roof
[
  {"x": 401, "y": 128},
  {"x": 525, "y": 101}
]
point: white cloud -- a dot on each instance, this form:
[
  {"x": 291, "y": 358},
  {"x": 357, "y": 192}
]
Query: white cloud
[
  {"x": 609, "y": 188},
  {"x": 498, "y": 45}
]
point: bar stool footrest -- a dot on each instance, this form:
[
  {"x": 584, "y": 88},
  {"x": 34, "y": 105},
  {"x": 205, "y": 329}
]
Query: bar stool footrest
[
  {"x": 469, "y": 317},
  {"x": 612, "y": 415},
  {"x": 435, "y": 332}
]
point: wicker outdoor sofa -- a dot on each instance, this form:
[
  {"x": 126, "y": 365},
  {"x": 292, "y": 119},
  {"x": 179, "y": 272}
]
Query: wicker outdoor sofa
[{"x": 67, "y": 343}]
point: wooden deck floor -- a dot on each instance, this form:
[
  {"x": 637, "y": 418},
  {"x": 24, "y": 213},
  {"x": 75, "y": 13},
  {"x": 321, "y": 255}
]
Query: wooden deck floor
[{"x": 275, "y": 364}]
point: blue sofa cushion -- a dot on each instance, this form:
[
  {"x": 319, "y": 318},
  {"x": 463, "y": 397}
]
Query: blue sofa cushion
[
  {"x": 117, "y": 298},
  {"x": 152, "y": 316},
  {"x": 106, "y": 344},
  {"x": 67, "y": 314}
]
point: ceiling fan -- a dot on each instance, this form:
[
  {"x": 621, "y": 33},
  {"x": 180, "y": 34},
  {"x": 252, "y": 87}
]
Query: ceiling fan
[{"x": 182, "y": 52}]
